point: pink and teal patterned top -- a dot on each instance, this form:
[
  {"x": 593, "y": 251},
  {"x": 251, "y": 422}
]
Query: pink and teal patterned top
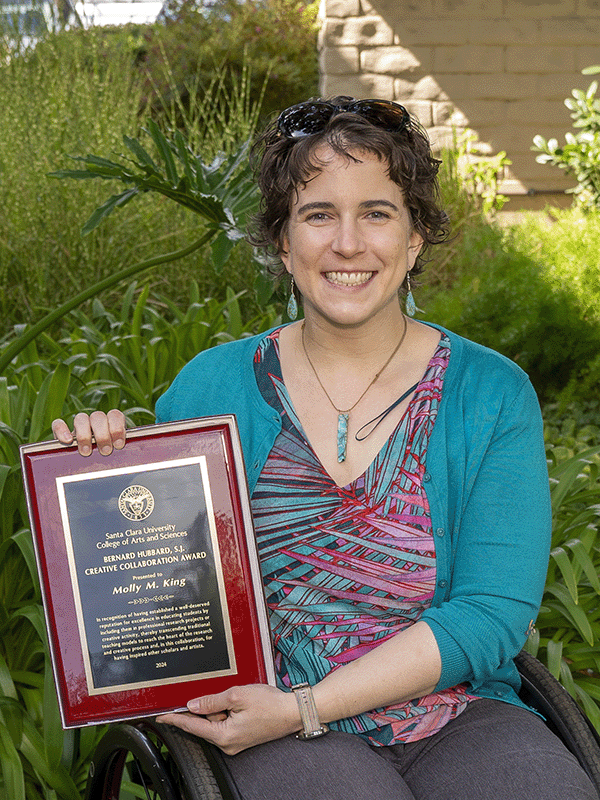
[{"x": 346, "y": 568}]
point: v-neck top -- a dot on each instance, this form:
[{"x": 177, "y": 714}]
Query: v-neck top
[
  {"x": 346, "y": 568},
  {"x": 487, "y": 489}
]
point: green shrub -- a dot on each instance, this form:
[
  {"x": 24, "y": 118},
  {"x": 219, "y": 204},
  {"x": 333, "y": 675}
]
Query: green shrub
[
  {"x": 568, "y": 625},
  {"x": 53, "y": 100},
  {"x": 120, "y": 357},
  {"x": 573, "y": 425},
  {"x": 567, "y": 248},
  {"x": 278, "y": 38},
  {"x": 509, "y": 294},
  {"x": 221, "y": 194},
  {"x": 580, "y": 155},
  {"x": 75, "y": 94}
]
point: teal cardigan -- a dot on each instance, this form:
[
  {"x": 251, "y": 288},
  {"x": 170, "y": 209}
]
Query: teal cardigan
[{"x": 487, "y": 484}]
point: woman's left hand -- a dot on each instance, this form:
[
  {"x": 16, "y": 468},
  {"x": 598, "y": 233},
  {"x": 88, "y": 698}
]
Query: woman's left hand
[{"x": 240, "y": 717}]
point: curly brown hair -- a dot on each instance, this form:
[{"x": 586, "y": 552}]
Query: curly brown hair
[{"x": 283, "y": 164}]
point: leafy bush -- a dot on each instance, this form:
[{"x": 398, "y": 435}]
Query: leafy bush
[
  {"x": 580, "y": 155},
  {"x": 531, "y": 290},
  {"x": 568, "y": 625},
  {"x": 109, "y": 358},
  {"x": 278, "y": 38},
  {"x": 221, "y": 195},
  {"x": 573, "y": 425},
  {"x": 567, "y": 248},
  {"x": 522, "y": 292},
  {"x": 478, "y": 173},
  {"x": 75, "y": 94}
]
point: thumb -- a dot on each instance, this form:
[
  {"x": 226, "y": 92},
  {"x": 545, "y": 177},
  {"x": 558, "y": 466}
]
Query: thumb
[{"x": 208, "y": 704}]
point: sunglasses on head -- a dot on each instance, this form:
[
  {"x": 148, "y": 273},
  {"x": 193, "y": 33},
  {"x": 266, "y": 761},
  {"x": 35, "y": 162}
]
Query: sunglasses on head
[{"x": 312, "y": 116}]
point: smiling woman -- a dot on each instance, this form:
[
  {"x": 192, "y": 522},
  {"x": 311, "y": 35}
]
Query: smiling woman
[
  {"x": 399, "y": 493},
  {"x": 349, "y": 242}
]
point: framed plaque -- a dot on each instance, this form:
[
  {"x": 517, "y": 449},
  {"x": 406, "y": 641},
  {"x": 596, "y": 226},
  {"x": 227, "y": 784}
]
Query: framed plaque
[{"x": 149, "y": 570}]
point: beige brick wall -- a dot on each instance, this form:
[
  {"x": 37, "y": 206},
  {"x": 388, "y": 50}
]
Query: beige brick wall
[{"x": 500, "y": 67}]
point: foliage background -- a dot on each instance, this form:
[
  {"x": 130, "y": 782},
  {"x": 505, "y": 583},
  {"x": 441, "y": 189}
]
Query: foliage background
[
  {"x": 208, "y": 72},
  {"x": 531, "y": 292},
  {"x": 276, "y": 37}
]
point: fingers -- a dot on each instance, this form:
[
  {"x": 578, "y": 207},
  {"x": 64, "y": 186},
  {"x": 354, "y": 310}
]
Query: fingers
[
  {"x": 240, "y": 717},
  {"x": 61, "y": 431},
  {"x": 214, "y": 732},
  {"x": 108, "y": 430},
  {"x": 198, "y": 726}
]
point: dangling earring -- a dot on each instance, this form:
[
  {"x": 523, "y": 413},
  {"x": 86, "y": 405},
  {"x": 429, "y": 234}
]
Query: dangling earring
[
  {"x": 411, "y": 308},
  {"x": 292, "y": 306}
]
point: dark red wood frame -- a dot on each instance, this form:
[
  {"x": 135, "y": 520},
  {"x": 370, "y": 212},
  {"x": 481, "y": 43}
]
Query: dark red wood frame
[{"x": 217, "y": 439}]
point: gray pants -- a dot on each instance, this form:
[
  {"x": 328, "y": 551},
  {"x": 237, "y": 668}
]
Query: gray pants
[{"x": 492, "y": 751}]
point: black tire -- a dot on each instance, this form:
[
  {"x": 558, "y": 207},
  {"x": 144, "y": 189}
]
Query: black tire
[
  {"x": 162, "y": 761},
  {"x": 197, "y": 764},
  {"x": 543, "y": 692}
]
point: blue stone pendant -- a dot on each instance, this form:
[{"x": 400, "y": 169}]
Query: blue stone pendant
[
  {"x": 342, "y": 437},
  {"x": 292, "y": 308},
  {"x": 411, "y": 307}
]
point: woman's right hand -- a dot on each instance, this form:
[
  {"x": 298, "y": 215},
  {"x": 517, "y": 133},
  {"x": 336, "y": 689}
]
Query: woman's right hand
[{"x": 107, "y": 429}]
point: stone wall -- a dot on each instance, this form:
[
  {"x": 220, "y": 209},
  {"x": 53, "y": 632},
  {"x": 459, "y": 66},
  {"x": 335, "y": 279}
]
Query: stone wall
[{"x": 500, "y": 67}]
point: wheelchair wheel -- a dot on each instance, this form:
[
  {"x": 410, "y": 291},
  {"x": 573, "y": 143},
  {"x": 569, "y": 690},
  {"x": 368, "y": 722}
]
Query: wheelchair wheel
[
  {"x": 150, "y": 762},
  {"x": 563, "y": 716}
]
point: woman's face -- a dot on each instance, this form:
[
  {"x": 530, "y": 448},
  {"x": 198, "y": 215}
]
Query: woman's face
[{"x": 349, "y": 240}]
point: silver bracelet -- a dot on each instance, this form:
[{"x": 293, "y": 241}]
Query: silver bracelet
[{"x": 308, "y": 713}]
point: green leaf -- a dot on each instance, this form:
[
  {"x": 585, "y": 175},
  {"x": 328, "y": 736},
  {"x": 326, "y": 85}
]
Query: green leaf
[
  {"x": 49, "y": 401},
  {"x": 585, "y": 693},
  {"x": 185, "y": 157},
  {"x": 564, "y": 475},
  {"x": 76, "y": 174},
  {"x": 10, "y": 441},
  {"x": 585, "y": 562},
  {"x": 566, "y": 568},
  {"x": 140, "y": 153},
  {"x": 13, "y": 778},
  {"x": 53, "y": 733},
  {"x": 127, "y": 301},
  {"x": 33, "y": 749},
  {"x": 116, "y": 201},
  {"x": 221, "y": 247},
  {"x": 97, "y": 168},
  {"x": 566, "y": 678},
  {"x": 35, "y": 615},
  {"x": 165, "y": 151},
  {"x": 572, "y": 612},
  {"x": 554, "y": 654},
  {"x": 5, "y": 404},
  {"x": 11, "y": 718},
  {"x": 263, "y": 287},
  {"x": 5, "y": 470},
  {"x": 7, "y": 686}
]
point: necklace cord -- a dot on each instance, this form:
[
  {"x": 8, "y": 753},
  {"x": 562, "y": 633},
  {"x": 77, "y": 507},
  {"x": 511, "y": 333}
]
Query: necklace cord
[
  {"x": 347, "y": 411},
  {"x": 380, "y": 417}
]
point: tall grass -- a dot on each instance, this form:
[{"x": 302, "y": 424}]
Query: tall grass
[{"x": 78, "y": 93}]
